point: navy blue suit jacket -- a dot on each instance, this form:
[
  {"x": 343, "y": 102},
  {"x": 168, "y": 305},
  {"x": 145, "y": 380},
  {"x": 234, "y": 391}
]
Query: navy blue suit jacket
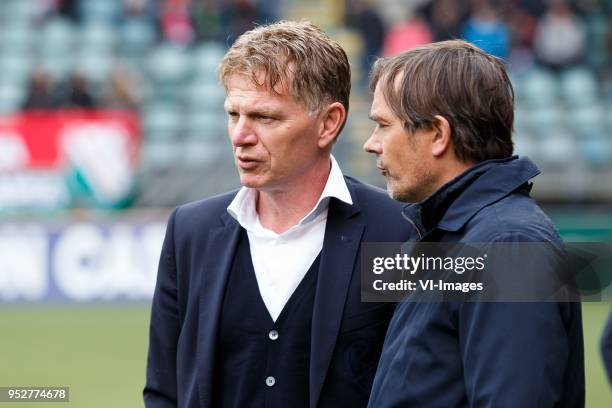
[{"x": 347, "y": 335}]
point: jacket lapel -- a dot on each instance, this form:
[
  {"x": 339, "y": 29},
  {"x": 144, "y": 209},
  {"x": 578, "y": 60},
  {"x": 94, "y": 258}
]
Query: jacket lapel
[
  {"x": 218, "y": 255},
  {"x": 338, "y": 258}
]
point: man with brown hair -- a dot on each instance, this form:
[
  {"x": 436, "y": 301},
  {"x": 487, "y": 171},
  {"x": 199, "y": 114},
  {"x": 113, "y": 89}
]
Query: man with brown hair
[
  {"x": 443, "y": 139},
  {"x": 257, "y": 302}
]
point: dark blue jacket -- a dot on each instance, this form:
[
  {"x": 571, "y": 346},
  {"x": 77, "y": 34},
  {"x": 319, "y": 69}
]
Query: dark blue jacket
[
  {"x": 346, "y": 334},
  {"x": 456, "y": 354}
]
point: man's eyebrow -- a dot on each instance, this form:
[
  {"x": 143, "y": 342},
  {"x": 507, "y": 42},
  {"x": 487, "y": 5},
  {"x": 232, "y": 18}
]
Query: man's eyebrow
[
  {"x": 374, "y": 117},
  {"x": 262, "y": 111},
  {"x": 258, "y": 111}
]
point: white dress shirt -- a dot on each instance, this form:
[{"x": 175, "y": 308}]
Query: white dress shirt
[{"x": 282, "y": 260}]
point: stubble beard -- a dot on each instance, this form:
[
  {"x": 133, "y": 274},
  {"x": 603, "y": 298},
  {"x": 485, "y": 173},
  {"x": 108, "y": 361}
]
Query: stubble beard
[{"x": 421, "y": 188}]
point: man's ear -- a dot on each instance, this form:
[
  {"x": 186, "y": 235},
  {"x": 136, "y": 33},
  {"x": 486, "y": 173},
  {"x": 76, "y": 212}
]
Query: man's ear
[
  {"x": 333, "y": 118},
  {"x": 441, "y": 142}
]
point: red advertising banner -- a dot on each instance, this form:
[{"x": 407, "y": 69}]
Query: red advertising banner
[
  {"x": 41, "y": 132},
  {"x": 47, "y": 158}
]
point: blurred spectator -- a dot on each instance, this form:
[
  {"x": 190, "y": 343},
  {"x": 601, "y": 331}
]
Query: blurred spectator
[
  {"x": 176, "y": 25},
  {"x": 363, "y": 16},
  {"x": 79, "y": 95},
  {"x": 394, "y": 11},
  {"x": 271, "y": 9},
  {"x": 486, "y": 30},
  {"x": 68, "y": 8},
  {"x": 46, "y": 9},
  {"x": 207, "y": 19},
  {"x": 598, "y": 33},
  {"x": 522, "y": 26},
  {"x": 135, "y": 6},
  {"x": 123, "y": 90},
  {"x": 238, "y": 16},
  {"x": 42, "y": 93},
  {"x": 534, "y": 7},
  {"x": 446, "y": 17},
  {"x": 138, "y": 8},
  {"x": 560, "y": 37},
  {"x": 411, "y": 33}
]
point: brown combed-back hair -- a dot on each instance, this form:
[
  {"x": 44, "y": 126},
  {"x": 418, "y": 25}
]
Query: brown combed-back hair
[
  {"x": 458, "y": 81},
  {"x": 295, "y": 55}
]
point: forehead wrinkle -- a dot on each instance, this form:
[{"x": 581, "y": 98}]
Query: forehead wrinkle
[{"x": 267, "y": 99}]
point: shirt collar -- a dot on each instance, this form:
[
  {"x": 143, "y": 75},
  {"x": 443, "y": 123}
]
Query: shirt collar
[
  {"x": 456, "y": 202},
  {"x": 243, "y": 208}
]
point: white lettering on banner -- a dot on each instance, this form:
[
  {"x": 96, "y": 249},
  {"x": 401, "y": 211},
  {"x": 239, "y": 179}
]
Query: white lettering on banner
[
  {"x": 91, "y": 264},
  {"x": 33, "y": 188},
  {"x": 23, "y": 263}
]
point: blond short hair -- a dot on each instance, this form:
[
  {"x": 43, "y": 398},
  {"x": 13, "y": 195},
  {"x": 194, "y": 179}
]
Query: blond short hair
[{"x": 297, "y": 56}]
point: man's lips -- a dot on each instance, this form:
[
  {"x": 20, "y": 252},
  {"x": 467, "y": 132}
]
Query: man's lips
[
  {"x": 382, "y": 170},
  {"x": 246, "y": 163}
]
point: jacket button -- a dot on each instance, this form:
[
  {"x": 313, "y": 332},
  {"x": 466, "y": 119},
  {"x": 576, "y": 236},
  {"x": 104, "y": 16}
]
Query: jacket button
[
  {"x": 273, "y": 335},
  {"x": 270, "y": 381}
]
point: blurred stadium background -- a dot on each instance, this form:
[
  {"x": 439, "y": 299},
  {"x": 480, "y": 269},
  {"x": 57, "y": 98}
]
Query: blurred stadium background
[{"x": 110, "y": 115}]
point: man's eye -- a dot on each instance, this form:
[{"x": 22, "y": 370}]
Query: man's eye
[{"x": 233, "y": 115}]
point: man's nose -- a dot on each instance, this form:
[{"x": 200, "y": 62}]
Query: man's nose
[
  {"x": 373, "y": 145},
  {"x": 242, "y": 133}
]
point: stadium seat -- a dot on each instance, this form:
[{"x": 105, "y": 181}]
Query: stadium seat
[
  {"x": 206, "y": 60},
  {"x": 541, "y": 120},
  {"x": 608, "y": 117},
  {"x": 158, "y": 155},
  {"x": 15, "y": 67},
  {"x": 517, "y": 84},
  {"x": 199, "y": 152},
  {"x": 21, "y": 10},
  {"x": 521, "y": 119},
  {"x": 12, "y": 97},
  {"x": 169, "y": 64},
  {"x": 539, "y": 88},
  {"x": 59, "y": 67},
  {"x": 596, "y": 149},
  {"x": 105, "y": 10},
  {"x": 597, "y": 52},
  {"x": 207, "y": 96},
  {"x": 526, "y": 145},
  {"x": 587, "y": 120},
  {"x": 162, "y": 122},
  {"x": 579, "y": 87},
  {"x": 16, "y": 37},
  {"x": 137, "y": 37},
  {"x": 57, "y": 38},
  {"x": 206, "y": 125},
  {"x": 95, "y": 66},
  {"x": 97, "y": 36},
  {"x": 557, "y": 148}
]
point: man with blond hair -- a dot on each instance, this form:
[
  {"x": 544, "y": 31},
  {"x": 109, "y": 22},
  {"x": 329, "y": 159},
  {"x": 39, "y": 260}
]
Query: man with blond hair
[{"x": 257, "y": 302}]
